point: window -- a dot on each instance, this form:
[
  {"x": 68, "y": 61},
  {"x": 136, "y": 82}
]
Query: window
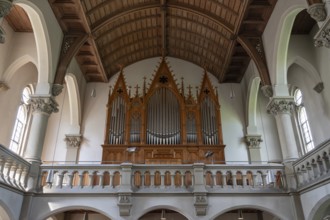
[
  {"x": 19, "y": 131},
  {"x": 304, "y": 129}
]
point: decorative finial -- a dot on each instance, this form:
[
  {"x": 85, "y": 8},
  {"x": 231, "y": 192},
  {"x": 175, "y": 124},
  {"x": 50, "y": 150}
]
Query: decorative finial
[
  {"x": 144, "y": 85},
  {"x": 196, "y": 91},
  {"x": 129, "y": 91},
  {"x": 182, "y": 86},
  {"x": 137, "y": 90}
]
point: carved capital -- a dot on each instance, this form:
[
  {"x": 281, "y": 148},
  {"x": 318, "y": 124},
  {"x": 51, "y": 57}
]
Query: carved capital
[
  {"x": 73, "y": 140},
  {"x": 253, "y": 141},
  {"x": 323, "y": 39},
  {"x": 5, "y": 6},
  {"x": 280, "y": 105},
  {"x": 124, "y": 203},
  {"x": 319, "y": 87},
  {"x": 267, "y": 90},
  {"x": 43, "y": 104},
  {"x": 2, "y": 36},
  {"x": 200, "y": 203},
  {"x": 3, "y": 86},
  {"x": 57, "y": 89},
  {"x": 317, "y": 11}
]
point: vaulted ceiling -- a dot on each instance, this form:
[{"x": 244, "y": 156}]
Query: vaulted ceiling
[
  {"x": 221, "y": 36},
  {"x": 218, "y": 35}
]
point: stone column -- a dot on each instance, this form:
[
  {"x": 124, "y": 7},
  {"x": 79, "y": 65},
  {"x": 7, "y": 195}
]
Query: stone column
[
  {"x": 281, "y": 108},
  {"x": 42, "y": 107},
  {"x": 73, "y": 142},
  {"x": 253, "y": 143}
]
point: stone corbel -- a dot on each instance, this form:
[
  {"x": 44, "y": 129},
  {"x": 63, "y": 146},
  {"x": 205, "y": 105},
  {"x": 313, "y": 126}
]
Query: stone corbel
[
  {"x": 267, "y": 90},
  {"x": 3, "y": 85},
  {"x": 322, "y": 37},
  {"x": 57, "y": 89},
  {"x": 253, "y": 141},
  {"x": 124, "y": 203},
  {"x": 280, "y": 105},
  {"x": 200, "y": 203},
  {"x": 43, "y": 104},
  {"x": 73, "y": 140},
  {"x": 317, "y": 11}
]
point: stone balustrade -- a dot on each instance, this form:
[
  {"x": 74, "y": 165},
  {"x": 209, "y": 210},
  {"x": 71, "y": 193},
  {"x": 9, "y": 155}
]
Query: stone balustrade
[
  {"x": 314, "y": 166},
  {"x": 161, "y": 178},
  {"x": 14, "y": 170}
]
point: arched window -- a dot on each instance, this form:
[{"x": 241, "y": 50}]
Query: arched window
[
  {"x": 304, "y": 129},
  {"x": 22, "y": 119}
]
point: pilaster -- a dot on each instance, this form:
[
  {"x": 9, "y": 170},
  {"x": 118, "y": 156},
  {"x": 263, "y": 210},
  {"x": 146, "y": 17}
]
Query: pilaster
[
  {"x": 73, "y": 142},
  {"x": 253, "y": 143},
  {"x": 125, "y": 191},
  {"x": 200, "y": 193}
]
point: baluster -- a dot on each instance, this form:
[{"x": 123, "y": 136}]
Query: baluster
[
  {"x": 320, "y": 166},
  {"x": 2, "y": 163},
  {"x": 182, "y": 180},
  {"x": 214, "y": 179},
  {"x": 70, "y": 183},
  {"x": 13, "y": 180},
  {"x": 172, "y": 179},
  {"x": 111, "y": 176},
  {"x": 18, "y": 178},
  {"x": 264, "y": 179},
  {"x": 91, "y": 179},
  {"x": 101, "y": 180},
  {"x": 142, "y": 180},
  {"x": 300, "y": 178},
  {"x": 224, "y": 180},
  {"x": 162, "y": 179},
  {"x": 244, "y": 177},
  {"x": 81, "y": 179},
  {"x": 305, "y": 175},
  {"x": 59, "y": 183},
  {"x": 254, "y": 180},
  {"x": 234, "y": 180},
  {"x": 152, "y": 180},
  {"x": 310, "y": 172}
]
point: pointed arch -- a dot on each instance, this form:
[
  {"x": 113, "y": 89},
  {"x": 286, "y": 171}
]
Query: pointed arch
[
  {"x": 252, "y": 105},
  {"x": 18, "y": 63},
  {"x": 74, "y": 99},
  {"x": 307, "y": 66}
]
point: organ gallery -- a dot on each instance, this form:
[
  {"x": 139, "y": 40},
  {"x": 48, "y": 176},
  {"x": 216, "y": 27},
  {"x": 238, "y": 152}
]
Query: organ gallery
[{"x": 163, "y": 124}]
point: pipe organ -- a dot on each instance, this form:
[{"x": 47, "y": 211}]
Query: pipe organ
[{"x": 164, "y": 124}]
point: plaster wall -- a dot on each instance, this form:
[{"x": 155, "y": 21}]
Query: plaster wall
[
  {"x": 11, "y": 203},
  {"x": 313, "y": 102},
  {"x": 312, "y": 199},
  {"x": 232, "y": 109},
  {"x": 10, "y": 99},
  {"x": 46, "y": 206}
]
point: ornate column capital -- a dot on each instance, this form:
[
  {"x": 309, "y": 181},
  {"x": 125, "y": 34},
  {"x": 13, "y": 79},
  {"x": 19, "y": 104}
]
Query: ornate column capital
[
  {"x": 267, "y": 90},
  {"x": 73, "y": 140},
  {"x": 43, "y": 104},
  {"x": 5, "y": 6},
  {"x": 322, "y": 37},
  {"x": 317, "y": 11},
  {"x": 253, "y": 141},
  {"x": 280, "y": 105}
]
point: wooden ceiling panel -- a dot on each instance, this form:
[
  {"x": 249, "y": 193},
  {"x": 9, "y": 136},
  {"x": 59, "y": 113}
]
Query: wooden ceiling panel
[
  {"x": 19, "y": 20},
  {"x": 205, "y": 32}
]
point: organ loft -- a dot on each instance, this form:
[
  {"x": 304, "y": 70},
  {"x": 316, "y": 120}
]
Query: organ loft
[{"x": 163, "y": 125}]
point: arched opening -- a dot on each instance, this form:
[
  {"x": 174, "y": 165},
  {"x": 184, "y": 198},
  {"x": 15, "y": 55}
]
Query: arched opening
[
  {"x": 4, "y": 215},
  {"x": 78, "y": 214},
  {"x": 163, "y": 214},
  {"x": 321, "y": 210},
  {"x": 247, "y": 214}
]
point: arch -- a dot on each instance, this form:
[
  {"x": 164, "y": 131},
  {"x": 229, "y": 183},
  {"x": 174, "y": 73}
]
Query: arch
[
  {"x": 74, "y": 99},
  {"x": 261, "y": 208},
  {"x": 5, "y": 212},
  {"x": 68, "y": 208},
  {"x": 305, "y": 65},
  {"x": 319, "y": 207},
  {"x": 41, "y": 35},
  {"x": 169, "y": 207},
  {"x": 14, "y": 66},
  {"x": 281, "y": 44},
  {"x": 252, "y": 105}
]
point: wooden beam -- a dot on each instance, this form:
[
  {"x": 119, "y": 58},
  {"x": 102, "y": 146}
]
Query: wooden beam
[
  {"x": 258, "y": 59},
  {"x": 70, "y": 46}
]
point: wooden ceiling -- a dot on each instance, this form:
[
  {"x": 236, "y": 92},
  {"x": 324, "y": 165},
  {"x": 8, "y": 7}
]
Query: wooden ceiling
[{"x": 219, "y": 35}]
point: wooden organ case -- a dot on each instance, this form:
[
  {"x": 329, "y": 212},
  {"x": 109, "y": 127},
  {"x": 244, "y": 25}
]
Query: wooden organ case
[{"x": 163, "y": 126}]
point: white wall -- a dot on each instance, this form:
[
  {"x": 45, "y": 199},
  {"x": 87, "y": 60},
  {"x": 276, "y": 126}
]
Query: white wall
[{"x": 11, "y": 203}]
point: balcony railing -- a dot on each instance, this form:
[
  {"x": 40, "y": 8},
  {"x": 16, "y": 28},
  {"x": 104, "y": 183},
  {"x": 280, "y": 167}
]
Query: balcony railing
[
  {"x": 161, "y": 178},
  {"x": 13, "y": 169},
  {"x": 313, "y": 167}
]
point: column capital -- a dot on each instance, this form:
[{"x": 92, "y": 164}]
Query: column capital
[
  {"x": 43, "y": 104},
  {"x": 73, "y": 140},
  {"x": 317, "y": 11},
  {"x": 322, "y": 37},
  {"x": 280, "y": 105},
  {"x": 253, "y": 141},
  {"x": 5, "y": 6}
]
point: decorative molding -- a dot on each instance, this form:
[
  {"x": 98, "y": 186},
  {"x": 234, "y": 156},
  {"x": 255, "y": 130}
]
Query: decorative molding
[
  {"x": 2, "y": 35},
  {"x": 124, "y": 203},
  {"x": 267, "y": 90},
  {"x": 57, "y": 89},
  {"x": 73, "y": 140},
  {"x": 317, "y": 12},
  {"x": 43, "y": 104},
  {"x": 5, "y": 6},
  {"x": 200, "y": 203},
  {"x": 280, "y": 105},
  {"x": 253, "y": 141},
  {"x": 319, "y": 87},
  {"x": 322, "y": 37},
  {"x": 3, "y": 86}
]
